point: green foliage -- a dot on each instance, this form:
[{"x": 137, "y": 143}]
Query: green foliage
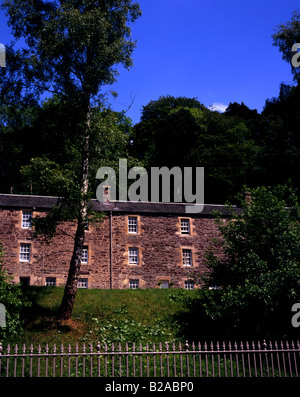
[
  {"x": 285, "y": 36},
  {"x": 194, "y": 136},
  {"x": 12, "y": 298},
  {"x": 258, "y": 278}
]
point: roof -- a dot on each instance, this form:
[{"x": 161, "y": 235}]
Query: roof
[{"x": 47, "y": 202}]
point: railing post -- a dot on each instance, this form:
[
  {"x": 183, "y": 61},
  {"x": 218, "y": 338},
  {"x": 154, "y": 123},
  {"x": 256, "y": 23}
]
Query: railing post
[
  {"x": 1, "y": 350},
  {"x": 187, "y": 358},
  {"x": 266, "y": 357}
]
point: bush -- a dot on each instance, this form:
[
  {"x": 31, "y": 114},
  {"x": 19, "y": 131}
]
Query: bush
[
  {"x": 12, "y": 298},
  {"x": 259, "y": 276}
]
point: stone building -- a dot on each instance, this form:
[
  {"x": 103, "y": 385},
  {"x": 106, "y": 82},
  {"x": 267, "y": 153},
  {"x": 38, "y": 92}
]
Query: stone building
[{"x": 136, "y": 245}]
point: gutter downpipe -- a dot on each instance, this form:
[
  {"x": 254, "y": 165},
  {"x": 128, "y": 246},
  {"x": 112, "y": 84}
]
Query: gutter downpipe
[{"x": 110, "y": 250}]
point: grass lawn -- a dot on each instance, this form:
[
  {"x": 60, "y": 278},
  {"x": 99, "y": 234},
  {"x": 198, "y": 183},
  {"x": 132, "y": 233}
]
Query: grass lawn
[{"x": 107, "y": 316}]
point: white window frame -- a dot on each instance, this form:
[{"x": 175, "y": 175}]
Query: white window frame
[
  {"x": 189, "y": 284},
  {"x": 133, "y": 256},
  {"x": 134, "y": 284},
  {"x": 132, "y": 224},
  {"x": 185, "y": 226},
  {"x": 85, "y": 255},
  {"x": 25, "y": 252},
  {"x": 26, "y": 220},
  {"x": 187, "y": 257},
  {"x": 50, "y": 282},
  {"x": 82, "y": 283}
]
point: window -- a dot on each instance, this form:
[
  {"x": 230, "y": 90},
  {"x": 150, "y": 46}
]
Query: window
[
  {"x": 26, "y": 219},
  {"x": 133, "y": 256},
  {"x": 85, "y": 255},
  {"x": 187, "y": 257},
  {"x": 50, "y": 281},
  {"x": 25, "y": 281},
  {"x": 25, "y": 250},
  {"x": 189, "y": 284},
  {"x": 82, "y": 283},
  {"x": 132, "y": 224},
  {"x": 164, "y": 284},
  {"x": 133, "y": 284},
  {"x": 185, "y": 226}
]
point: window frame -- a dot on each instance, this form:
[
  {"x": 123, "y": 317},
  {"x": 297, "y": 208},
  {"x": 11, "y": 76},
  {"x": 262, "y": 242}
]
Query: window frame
[
  {"x": 188, "y": 284},
  {"x": 24, "y": 219},
  {"x": 50, "y": 282},
  {"x": 85, "y": 254},
  {"x": 183, "y": 231},
  {"x": 136, "y": 255},
  {"x": 135, "y": 225},
  {"x": 21, "y": 252},
  {"x": 134, "y": 284},
  {"x": 184, "y": 251},
  {"x": 83, "y": 283}
]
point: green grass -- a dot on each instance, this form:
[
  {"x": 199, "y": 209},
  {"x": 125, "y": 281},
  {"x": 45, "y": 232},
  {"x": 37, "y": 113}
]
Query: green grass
[{"x": 107, "y": 316}]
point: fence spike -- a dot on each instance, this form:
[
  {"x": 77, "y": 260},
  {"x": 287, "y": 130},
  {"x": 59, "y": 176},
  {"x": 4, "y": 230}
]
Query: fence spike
[
  {"x": 287, "y": 344},
  {"x": 258, "y": 345},
  {"x": 270, "y": 345}
]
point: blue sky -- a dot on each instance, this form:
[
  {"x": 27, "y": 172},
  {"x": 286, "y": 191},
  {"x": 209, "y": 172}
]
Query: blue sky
[{"x": 216, "y": 51}]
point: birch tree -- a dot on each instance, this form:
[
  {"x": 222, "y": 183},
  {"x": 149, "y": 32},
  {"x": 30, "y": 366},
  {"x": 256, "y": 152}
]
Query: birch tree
[{"x": 72, "y": 48}]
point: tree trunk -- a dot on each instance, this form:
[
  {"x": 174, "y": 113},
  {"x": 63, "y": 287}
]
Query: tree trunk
[{"x": 66, "y": 307}]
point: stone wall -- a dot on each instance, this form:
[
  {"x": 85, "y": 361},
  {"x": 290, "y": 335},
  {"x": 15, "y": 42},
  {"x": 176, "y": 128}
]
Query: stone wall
[{"x": 159, "y": 243}]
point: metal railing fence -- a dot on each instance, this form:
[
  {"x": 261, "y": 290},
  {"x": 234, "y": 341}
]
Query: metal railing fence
[{"x": 243, "y": 359}]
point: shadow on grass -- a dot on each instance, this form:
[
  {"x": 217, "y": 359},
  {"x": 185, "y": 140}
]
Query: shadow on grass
[
  {"x": 41, "y": 316},
  {"x": 193, "y": 325}
]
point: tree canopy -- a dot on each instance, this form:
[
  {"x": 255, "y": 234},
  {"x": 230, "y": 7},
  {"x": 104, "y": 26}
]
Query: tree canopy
[{"x": 256, "y": 281}]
